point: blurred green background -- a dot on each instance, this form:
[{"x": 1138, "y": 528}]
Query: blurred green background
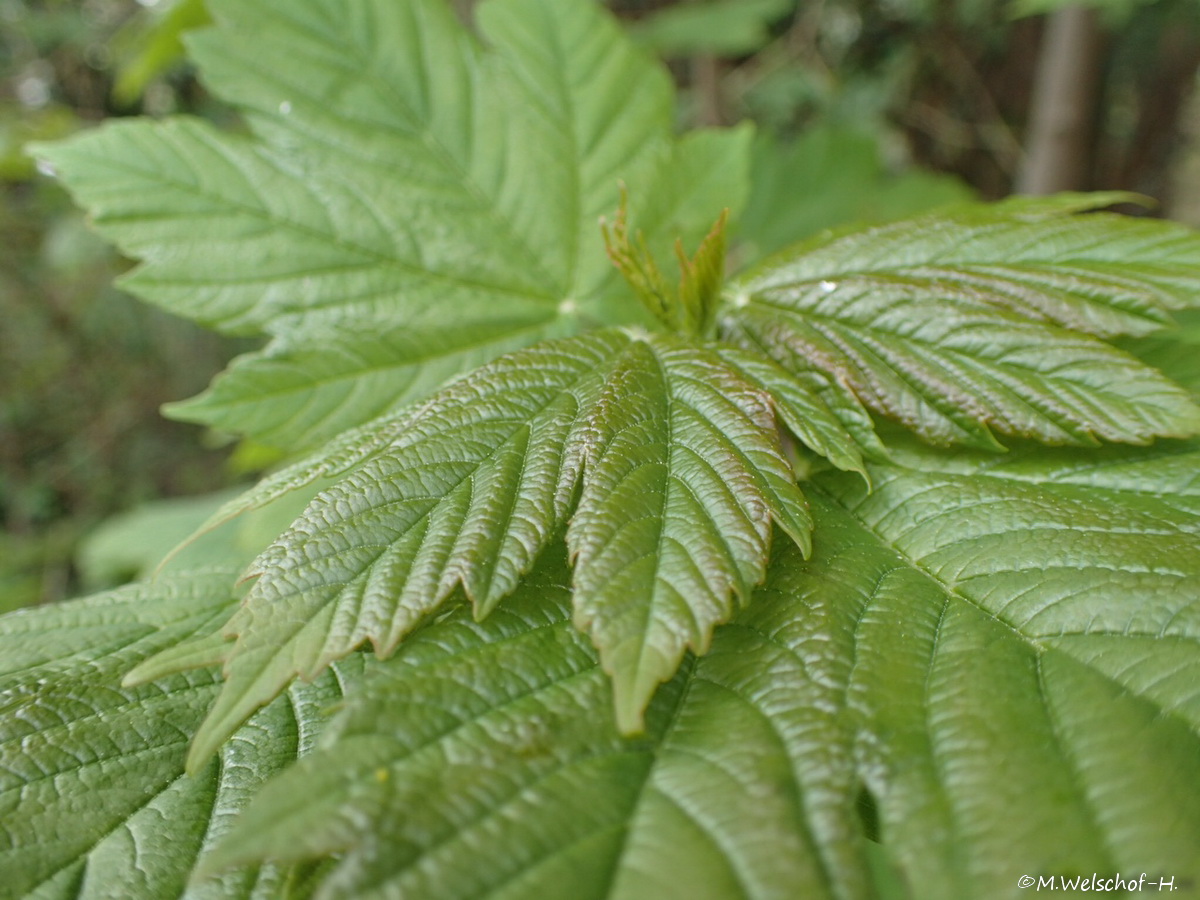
[
  {"x": 83, "y": 367},
  {"x": 867, "y": 110}
]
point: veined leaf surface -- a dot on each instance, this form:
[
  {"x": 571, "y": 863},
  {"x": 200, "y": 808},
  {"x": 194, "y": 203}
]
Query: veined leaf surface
[
  {"x": 990, "y": 664},
  {"x": 958, "y": 324},
  {"x": 682, "y": 474},
  {"x": 826, "y": 418},
  {"x": 1015, "y": 693},
  {"x": 93, "y": 796},
  {"x": 684, "y": 477},
  {"x": 518, "y": 785},
  {"x": 1026, "y": 677},
  {"x": 428, "y": 196}
]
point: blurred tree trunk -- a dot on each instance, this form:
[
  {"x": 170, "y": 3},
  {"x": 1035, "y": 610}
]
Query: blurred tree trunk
[
  {"x": 1062, "y": 128},
  {"x": 706, "y": 76}
]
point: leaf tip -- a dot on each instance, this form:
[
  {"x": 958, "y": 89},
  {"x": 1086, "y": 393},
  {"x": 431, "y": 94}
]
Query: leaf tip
[
  {"x": 634, "y": 684},
  {"x": 135, "y": 677},
  {"x": 800, "y": 533},
  {"x": 630, "y": 712},
  {"x": 230, "y": 711},
  {"x": 200, "y": 753}
]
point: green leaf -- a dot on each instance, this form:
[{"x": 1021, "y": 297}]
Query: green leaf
[
  {"x": 429, "y": 198},
  {"x": 92, "y": 790},
  {"x": 516, "y": 784},
  {"x": 723, "y": 27},
  {"x": 689, "y": 309},
  {"x": 829, "y": 421},
  {"x": 946, "y": 661},
  {"x": 181, "y": 534},
  {"x": 988, "y": 664},
  {"x": 466, "y": 493},
  {"x": 324, "y": 377},
  {"x": 1035, "y": 637},
  {"x": 683, "y": 478},
  {"x": 468, "y": 488},
  {"x": 702, "y": 277},
  {"x": 148, "y": 45},
  {"x": 831, "y": 176},
  {"x": 129, "y": 546},
  {"x": 76, "y": 633},
  {"x": 1173, "y": 351},
  {"x": 962, "y": 323}
]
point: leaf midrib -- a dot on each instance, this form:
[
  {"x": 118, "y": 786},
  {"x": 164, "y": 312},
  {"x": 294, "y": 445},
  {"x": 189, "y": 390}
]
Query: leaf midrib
[
  {"x": 1173, "y": 531},
  {"x": 794, "y": 782},
  {"x": 1070, "y": 763},
  {"x": 1063, "y": 478}
]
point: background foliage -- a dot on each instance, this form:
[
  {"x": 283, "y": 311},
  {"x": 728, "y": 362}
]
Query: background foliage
[
  {"x": 859, "y": 100},
  {"x": 84, "y": 367}
]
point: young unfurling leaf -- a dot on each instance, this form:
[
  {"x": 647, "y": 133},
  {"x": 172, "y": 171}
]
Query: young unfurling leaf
[{"x": 689, "y": 309}]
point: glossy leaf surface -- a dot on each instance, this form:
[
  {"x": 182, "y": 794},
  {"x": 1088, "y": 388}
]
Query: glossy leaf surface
[
  {"x": 963, "y": 323},
  {"x": 1008, "y": 704},
  {"x": 519, "y": 785},
  {"x": 618, "y": 665},
  {"x": 681, "y": 475},
  {"x": 93, "y": 796}
]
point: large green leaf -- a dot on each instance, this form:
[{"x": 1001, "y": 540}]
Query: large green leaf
[
  {"x": 961, "y": 323},
  {"x": 1013, "y": 693},
  {"x": 989, "y": 663},
  {"x": 682, "y": 474},
  {"x": 414, "y": 201},
  {"x": 514, "y": 782},
  {"x": 93, "y": 796},
  {"x": 827, "y": 177},
  {"x": 1026, "y": 671}
]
